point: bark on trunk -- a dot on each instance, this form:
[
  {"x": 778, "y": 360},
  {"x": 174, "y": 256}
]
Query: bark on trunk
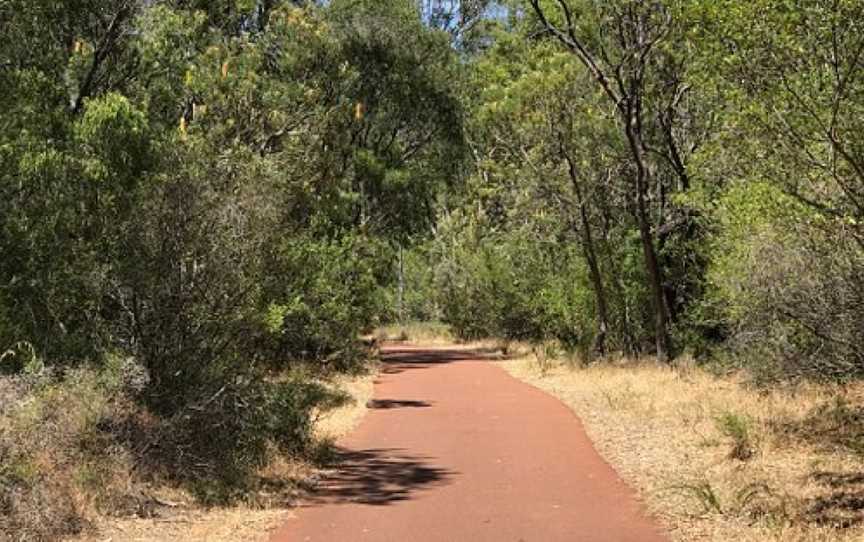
[
  {"x": 655, "y": 275},
  {"x": 588, "y": 247}
]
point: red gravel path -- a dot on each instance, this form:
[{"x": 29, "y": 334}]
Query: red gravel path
[{"x": 455, "y": 449}]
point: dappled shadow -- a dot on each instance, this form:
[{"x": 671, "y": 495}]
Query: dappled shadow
[
  {"x": 838, "y": 479},
  {"x": 377, "y": 477},
  {"x": 843, "y": 505},
  {"x": 387, "y": 404},
  {"x": 834, "y": 424},
  {"x": 397, "y": 360}
]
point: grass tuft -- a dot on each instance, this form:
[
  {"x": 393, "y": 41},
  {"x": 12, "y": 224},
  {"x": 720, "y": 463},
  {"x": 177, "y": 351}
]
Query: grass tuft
[{"x": 738, "y": 428}]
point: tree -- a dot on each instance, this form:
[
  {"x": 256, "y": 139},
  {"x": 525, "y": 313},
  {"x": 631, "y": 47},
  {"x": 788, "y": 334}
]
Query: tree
[
  {"x": 787, "y": 170},
  {"x": 621, "y": 44}
]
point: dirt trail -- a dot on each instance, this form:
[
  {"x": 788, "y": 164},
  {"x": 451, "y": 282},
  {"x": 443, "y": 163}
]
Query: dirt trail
[{"x": 455, "y": 449}]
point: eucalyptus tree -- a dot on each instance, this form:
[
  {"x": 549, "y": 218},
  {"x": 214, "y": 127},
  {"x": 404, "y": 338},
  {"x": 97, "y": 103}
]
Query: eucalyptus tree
[
  {"x": 794, "y": 72},
  {"x": 402, "y": 142},
  {"x": 59, "y": 188},
  {"x": 636, "y": 51},
  {"x": 546, "y": 143},
  {"x": 162, "y": 162}
]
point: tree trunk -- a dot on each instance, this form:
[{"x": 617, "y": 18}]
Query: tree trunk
[
  {"x": 652, "y": 267},
  {"x": 588, "y": 247},
  {"x": 400, "y": 301},
  {"x": 597, "y": 283},
  {"x": 624, "y": 85}
]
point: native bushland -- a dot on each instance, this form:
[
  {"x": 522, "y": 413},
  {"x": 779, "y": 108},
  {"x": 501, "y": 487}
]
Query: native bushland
[
  {"x": 224, "y": 196},
  {"x": 213, "y": 192},
  {"x": 685, "y": 179}
]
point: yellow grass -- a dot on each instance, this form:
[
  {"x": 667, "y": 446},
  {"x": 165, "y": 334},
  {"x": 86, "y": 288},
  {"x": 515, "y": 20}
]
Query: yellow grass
[
  {"x": 429, "y": 333},
  {"x": 341, "y": 421},
  {"x": 658, "y": 427}
]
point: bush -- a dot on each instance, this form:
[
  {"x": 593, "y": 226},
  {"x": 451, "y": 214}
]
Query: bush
[
  {"x": 75, "y": 445},
  {"x": 535, "y": 286},
  {"x": 514, "y": 289},
  {"x": 420, "y": 301},
  {"x": 217, "y": 445},
  {"x": 788, "y": 284},
  {"x": 324, "y": 294}
]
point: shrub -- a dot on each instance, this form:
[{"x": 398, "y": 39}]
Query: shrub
[
  {"x": 788, "y": 284},
  {"x": 75, "y": 445},
  {"x": 57, "y": 468},
  {"x": 218, "y": 443},
  {"x": 740, "y": 430},
  {"x": 420, "y": 301},
  {"x": 323, "y": 294},
  {"x": 511, "y": 288}
]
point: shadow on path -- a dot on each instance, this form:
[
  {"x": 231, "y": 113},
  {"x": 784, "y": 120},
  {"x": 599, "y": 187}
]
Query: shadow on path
[
  {"x": 387, "y": 404},
  {"x": 397, "y": 360},
  {"x": 377, "y": 477}
]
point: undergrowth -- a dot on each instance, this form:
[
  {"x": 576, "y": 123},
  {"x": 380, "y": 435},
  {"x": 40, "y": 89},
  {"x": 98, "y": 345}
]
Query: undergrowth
[{"x": 78, "y": 445}]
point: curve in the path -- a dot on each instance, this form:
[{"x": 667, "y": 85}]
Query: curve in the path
[{"x": 455, "y": 449}]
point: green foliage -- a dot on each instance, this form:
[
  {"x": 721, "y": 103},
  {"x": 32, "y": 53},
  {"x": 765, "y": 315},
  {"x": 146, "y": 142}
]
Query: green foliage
[
  {"x": 419, "y": 295},
  {"x": 21, "y": 358},
  {"x": 213, "y": 190},
  {"x": 177, "y": 186},
  {"x": 324, "y": 293},
  {"x": 229, "y": 434},
  {"x": 740, "y": 430},
  {"x": 754, "y": 211},
  {"x": 783, "y": 278},
  {"x": 114, "y": 136},
  {"x": 515, "y": 289}
]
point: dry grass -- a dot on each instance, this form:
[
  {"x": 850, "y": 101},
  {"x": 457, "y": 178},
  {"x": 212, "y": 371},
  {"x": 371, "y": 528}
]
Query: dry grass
[
  {"x": 438, "y": 334},
  {"x": 234, "y": 524},
  {"x": 341, "y": 421},
  {"x": 430, "y": 333},
  {"x": 179, "y": 519},
  {"x": 56, "y": 469},
  {"x": 716, "y": 460}
]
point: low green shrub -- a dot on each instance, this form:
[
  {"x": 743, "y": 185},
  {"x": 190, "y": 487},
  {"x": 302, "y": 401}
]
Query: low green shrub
[
  {"x": 739, "y": 429},
  {"x": 515, "y": 290},
  {"x": 217, "y": 444}
]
